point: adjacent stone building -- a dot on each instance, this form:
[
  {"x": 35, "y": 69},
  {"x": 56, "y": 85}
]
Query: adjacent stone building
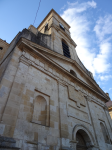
[
  {"x": 3, "y": 48},
  {"x": 48, "y": 99},
  {"x": 109, "y": 105}
]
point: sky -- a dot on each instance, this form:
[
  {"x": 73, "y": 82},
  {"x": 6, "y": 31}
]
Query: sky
[{"x": 91, "y": 29}]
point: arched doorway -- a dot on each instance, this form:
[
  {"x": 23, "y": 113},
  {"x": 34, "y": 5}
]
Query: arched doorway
[
  {"x": 82, "y": 137},
  {"x": 81, "y": 145}
]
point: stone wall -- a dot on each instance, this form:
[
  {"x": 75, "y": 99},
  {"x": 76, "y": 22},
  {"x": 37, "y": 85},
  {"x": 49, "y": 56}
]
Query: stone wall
[
  {"x": 69, "y": 106},
  {"x": 42, "y": 105},
  {"x": 39, "y": 38}
]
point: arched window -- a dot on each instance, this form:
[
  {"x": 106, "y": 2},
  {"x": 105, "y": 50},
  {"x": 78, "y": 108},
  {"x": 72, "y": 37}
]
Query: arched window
[
  {"x": 40, "y": 110},
  {"x": 73, "y": 73},
  {"x": 103, "y": 129},
  {"x": 65, "y": 49}
]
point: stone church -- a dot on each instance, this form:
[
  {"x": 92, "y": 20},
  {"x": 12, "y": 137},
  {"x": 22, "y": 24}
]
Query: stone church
[{"x": 48, "y": 99}]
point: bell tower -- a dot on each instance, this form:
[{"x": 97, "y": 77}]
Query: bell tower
[{"x": 61, "y": 40}]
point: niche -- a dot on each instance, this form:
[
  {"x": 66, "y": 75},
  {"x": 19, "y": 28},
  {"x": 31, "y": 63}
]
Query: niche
[
  {"x": 41, "y": 109},
  {"x": 105, "y": 135}
]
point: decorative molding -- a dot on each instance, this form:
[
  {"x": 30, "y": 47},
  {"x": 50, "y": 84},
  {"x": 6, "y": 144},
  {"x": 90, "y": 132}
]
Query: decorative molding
[
  {"x": 24, "y": 60},
  {"x": 88, "y": 98},
  {"x": 76, "y": 96},
  {"x": 35, "y": 63},
  {"x": 73, "y": 144},
  {"x": 38, "y": 90},
  {"x": 32, "y": 142},
  {"x": 75, "y": 114},
  {"x": 47, "y": 99},
  {"x": 84, "y": 128},
  {"x": 30, "y": 44}
]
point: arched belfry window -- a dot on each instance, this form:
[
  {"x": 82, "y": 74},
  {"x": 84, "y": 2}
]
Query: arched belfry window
[
  {"x": 65, "y": 49},
  {"x": 73, "y": 73},
  {"x": 40, "y": 110},
  {"x": 104, "y": 132}
]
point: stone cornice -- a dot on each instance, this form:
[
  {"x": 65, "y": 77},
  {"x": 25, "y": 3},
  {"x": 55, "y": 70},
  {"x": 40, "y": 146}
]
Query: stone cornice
[
  {"x": 50, "y": 52},
  {"x": 90, "y": 99},
  {"x": 55, "y": 54},
  {"x": 27, "y": 61},
  {"x": 23, "y": 43},
  {"x": 52, "y": 11}
]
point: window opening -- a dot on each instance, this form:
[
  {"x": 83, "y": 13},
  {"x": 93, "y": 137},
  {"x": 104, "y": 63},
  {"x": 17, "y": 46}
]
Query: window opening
[
  {"x": 73, "y": 73},
  {"x": 66, "y": 49},
  {"x": 62, "y": 27},
  {"x": 46, "y": 27},
  {"x": 1, "y": 48}
]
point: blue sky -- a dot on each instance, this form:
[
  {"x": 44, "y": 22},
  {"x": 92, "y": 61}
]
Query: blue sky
[{"x": 91, "y": 29}]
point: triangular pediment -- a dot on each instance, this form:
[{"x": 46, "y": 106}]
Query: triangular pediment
[
  {"x": 65, "y": 63},
  {"x": 72, "y": 66}
]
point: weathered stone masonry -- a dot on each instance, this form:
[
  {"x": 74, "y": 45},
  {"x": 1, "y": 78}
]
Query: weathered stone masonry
[{"x": 42, "y": 104}]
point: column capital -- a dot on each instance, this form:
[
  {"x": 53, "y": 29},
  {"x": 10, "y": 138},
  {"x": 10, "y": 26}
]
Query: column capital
[
  {"x": 88, "y": 98},
  {"x": 73, "y": 141},
  {"x": 73, "y": 144}
]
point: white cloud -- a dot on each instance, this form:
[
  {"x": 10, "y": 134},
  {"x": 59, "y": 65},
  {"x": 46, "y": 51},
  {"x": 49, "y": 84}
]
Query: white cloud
[
  {"x": 103, "y": 27},
  {"x": 110, "y": 89},
  {"x": 105, "y": 78},
  {"x": 76, "y": 15},
  {"x": 80, "y": 26},
  {"x": 63, "y": 7},
  {"x": 100, "y": 62},
  {"x": 103, "y": 30},
  {"x": 92, "y": 4}
]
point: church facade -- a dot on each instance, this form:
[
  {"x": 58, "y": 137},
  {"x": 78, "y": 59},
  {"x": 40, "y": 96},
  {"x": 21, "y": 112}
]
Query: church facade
[{"x": 48, "y": 99}]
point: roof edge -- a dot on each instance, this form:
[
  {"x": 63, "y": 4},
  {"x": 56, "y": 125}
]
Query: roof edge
[
  {"x": 101, "y": 94},
  {"x": 4, "y": 42},
  {"x": 52, "y": 10}
]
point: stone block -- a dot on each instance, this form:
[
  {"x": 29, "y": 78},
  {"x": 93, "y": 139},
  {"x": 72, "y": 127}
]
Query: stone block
[
  {"x": 51, "y": 140},
  {"x": 2, "y": 127}
]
